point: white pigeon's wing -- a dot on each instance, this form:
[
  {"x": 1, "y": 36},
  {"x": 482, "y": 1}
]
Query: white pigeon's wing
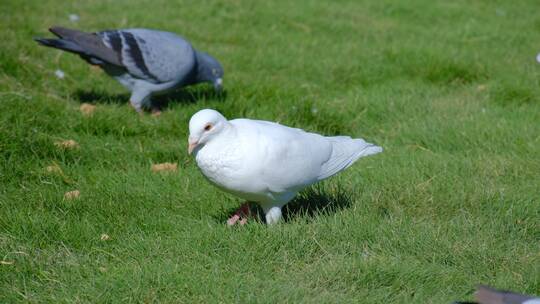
[
  {"x": 154, "y": 56},
  {"x": 345, "y": 151},
  {"x": 285, "y": 159},
  {"x": 289, "y": 159}
]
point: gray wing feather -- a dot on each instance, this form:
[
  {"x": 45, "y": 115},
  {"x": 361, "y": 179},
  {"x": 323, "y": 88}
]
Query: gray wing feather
[
  {"x": 152, "y": 55},
  {"x": 90, "y": 43}
]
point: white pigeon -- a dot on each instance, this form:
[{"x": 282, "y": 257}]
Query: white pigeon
[{"x": 265, "y": 162}]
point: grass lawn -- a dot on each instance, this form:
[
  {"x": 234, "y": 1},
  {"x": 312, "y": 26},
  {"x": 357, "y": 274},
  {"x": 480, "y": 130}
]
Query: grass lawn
[{"x": 450, "y": 89}]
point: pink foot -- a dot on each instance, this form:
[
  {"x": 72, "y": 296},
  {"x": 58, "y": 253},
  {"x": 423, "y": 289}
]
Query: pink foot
[
  {"x": 156, "y": 111},
  {"x": 233, "y": 219},
  {"x": 240, "y": 216}
]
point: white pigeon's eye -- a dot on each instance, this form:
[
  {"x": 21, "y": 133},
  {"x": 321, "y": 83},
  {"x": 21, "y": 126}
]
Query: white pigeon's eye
[{"x": 208, "y": 127}]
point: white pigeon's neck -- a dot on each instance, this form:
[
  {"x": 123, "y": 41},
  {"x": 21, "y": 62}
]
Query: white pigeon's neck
[
  {"x": 228, "y": 130},
  {"x": 227, "y": 136}
]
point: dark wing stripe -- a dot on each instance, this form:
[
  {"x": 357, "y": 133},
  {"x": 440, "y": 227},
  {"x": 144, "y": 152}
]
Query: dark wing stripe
[
  {"x": 116, "y": 42},
  {"x": 136, "y": 55}
]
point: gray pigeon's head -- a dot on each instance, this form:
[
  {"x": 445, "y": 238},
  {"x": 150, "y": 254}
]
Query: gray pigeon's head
[{"x": 209, "y": 70}]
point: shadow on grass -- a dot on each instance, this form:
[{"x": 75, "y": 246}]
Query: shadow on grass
[
  {"x": 313, "y": 202},
  {"x": 181, "y": 96},
  {"x": 318, "y": 200}
]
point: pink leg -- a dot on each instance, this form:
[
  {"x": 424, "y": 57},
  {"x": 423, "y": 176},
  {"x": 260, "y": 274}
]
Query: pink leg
[{"x": 240, "y": 215}]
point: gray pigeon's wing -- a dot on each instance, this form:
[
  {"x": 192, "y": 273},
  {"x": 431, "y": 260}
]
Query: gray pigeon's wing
[
  {"x": 85, "y": 44},
  {"x": 154, "y": 56}
]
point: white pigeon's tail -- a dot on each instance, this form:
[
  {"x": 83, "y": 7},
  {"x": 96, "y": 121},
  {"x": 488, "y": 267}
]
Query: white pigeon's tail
[{"x": 345, "y": 151}]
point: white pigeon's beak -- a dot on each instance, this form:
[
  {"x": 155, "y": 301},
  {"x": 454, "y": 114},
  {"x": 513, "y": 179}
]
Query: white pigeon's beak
[{"x": 192, "y": 144}]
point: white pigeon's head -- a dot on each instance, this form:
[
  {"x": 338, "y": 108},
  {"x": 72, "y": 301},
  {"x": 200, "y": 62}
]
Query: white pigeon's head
[{"x": 203, "y": 126}]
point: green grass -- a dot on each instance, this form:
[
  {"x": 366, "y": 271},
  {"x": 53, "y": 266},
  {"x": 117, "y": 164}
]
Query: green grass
[{"x": 451, "y": 90}]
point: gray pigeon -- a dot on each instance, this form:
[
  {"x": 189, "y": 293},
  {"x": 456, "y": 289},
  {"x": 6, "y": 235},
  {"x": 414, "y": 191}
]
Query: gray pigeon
[
  {"x": 488, "y": 295},
  {"x": 144, "y": 61}
]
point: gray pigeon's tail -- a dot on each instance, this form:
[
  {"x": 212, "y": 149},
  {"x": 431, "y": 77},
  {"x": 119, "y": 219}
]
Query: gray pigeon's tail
[
  {"x": 88, "y": 45},
  {"x": 345, "y": 151},
  {"x": 67, "y": 44},
  {"x": 62, "y": 44},
  {"x": 63, "y": 32}
]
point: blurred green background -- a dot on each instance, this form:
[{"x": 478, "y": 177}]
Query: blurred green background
[{"x": 449, "y": 89}]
